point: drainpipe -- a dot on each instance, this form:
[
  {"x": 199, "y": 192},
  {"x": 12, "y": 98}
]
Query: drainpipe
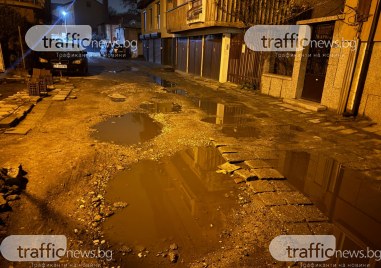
[{"x": 367, "y": 58}]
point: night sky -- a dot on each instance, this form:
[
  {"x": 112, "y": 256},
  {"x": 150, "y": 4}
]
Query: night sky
[{"x": 117, "y": 5}]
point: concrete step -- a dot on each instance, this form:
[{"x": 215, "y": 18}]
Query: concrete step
[{"x": 308, "y": 105}]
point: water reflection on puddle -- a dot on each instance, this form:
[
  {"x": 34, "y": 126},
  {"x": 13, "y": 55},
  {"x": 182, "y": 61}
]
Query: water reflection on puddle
[
  {"x": 162, "y": 82},
  {"x": 179, "y": 199},
  {"x": 351, "y": 199},
  {"x": 164, "y": 107},
  {"x": 127, "y": 129}
]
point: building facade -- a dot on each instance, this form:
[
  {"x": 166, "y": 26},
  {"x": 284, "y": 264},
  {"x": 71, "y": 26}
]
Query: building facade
[
  {"x": 16, "y": 17},
  {"x": 158, "y": 43},
  {"x": 342, "y": 77}
]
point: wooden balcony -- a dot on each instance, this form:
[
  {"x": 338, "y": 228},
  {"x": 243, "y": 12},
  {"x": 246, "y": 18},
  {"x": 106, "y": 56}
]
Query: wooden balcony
[{"x": 198, "y": 14}]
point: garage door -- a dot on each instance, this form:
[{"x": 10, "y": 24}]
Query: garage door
[
  {"x": 212, "y": 56},
  {"x": 151, "y": 49},
  {"x": 182, "y": 54},
  {"x": 157, "y": 51},
  {"x": 195, "y": 52}
]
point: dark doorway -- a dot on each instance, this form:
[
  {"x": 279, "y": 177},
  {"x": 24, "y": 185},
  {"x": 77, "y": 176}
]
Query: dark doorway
[
  {"x": 169, "y": 51},
  {"x": 212, "y": 56},
  {"x": 317, "y": 63},
  {"x": 182, "y": 52},
  {"x": 195, "y": 52}
]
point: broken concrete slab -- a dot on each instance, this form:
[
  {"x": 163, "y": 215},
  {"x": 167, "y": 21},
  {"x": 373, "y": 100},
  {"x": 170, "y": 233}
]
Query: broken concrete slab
[
  {"x": 227, "y": 149},
  {"x": 9, "y": 121},
  {"x": 245, "y": 174},
  {"x": 260, "y": 186},
  {"x": 268, "y": 174},
  {"x": 272, "y": 199},
  {"x": 233, "y": 158},
  {"x": 59, "y": 98},
  {"x": 228, "y": 167},
  {"x": 18, "y": 130}
]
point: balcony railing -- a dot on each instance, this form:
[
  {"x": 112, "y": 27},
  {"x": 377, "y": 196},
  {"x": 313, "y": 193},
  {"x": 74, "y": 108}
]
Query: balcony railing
[
  {"x": 198, "y": 14},
  {"x": 195, "y": 10}
]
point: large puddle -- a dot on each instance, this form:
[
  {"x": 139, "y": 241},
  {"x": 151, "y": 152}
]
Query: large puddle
[
  {"x": 351, "y": 199},
  {"x": 127, "y": 129},
  {"x": 180, "y": 200}
]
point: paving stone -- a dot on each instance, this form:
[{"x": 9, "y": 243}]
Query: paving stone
[
  {"x": 218, "y": 144},
  {"x": 321, "y": 228},
  {"x": 18, "y": 130},
  {"x": 297, "y": 228},
  {"x": 288, "y": 213},
  {"x": 268, "y": 174},
  {"x": 9, "y": 121},
  {"x": 245, "y": 174},
  {"x": 229, "y": 168},
  {"x": 272, "y": 199},
  {"x": 257, "y": 163},
  {"x": 59, "y": 98},
  {"x": 296, "y": 198},
  {"x": 233, "y": 158},
  {"x": 260, "y": 186},
  {"x": 312, "y": 214},
  {"x": 282, "y": 186}
]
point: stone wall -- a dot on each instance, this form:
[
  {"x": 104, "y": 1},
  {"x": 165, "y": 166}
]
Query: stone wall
[{"x": 371, "y": 98}]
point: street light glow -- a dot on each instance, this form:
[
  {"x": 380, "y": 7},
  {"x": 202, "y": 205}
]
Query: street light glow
[{"x": 64, "y": 13}]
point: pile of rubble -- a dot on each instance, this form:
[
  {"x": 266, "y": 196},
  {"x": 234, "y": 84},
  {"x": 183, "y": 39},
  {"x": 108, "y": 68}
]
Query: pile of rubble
[{"x": 12, "y": 182}]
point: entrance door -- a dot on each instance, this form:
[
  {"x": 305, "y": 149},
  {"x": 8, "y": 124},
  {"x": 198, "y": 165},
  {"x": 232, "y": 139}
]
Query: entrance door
[
  {"x": 169, "y": 51},
  {"x": 245, "y": 65},
  {"x": 195, "y": 50},
  {"x": 212, "y": 56},
  {"x": 182, "y": 54},
  {"x": 317, "y": 62}
]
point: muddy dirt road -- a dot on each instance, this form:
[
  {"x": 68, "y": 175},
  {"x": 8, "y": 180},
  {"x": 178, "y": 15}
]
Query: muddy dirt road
[{"x": 128, "y": 166}]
